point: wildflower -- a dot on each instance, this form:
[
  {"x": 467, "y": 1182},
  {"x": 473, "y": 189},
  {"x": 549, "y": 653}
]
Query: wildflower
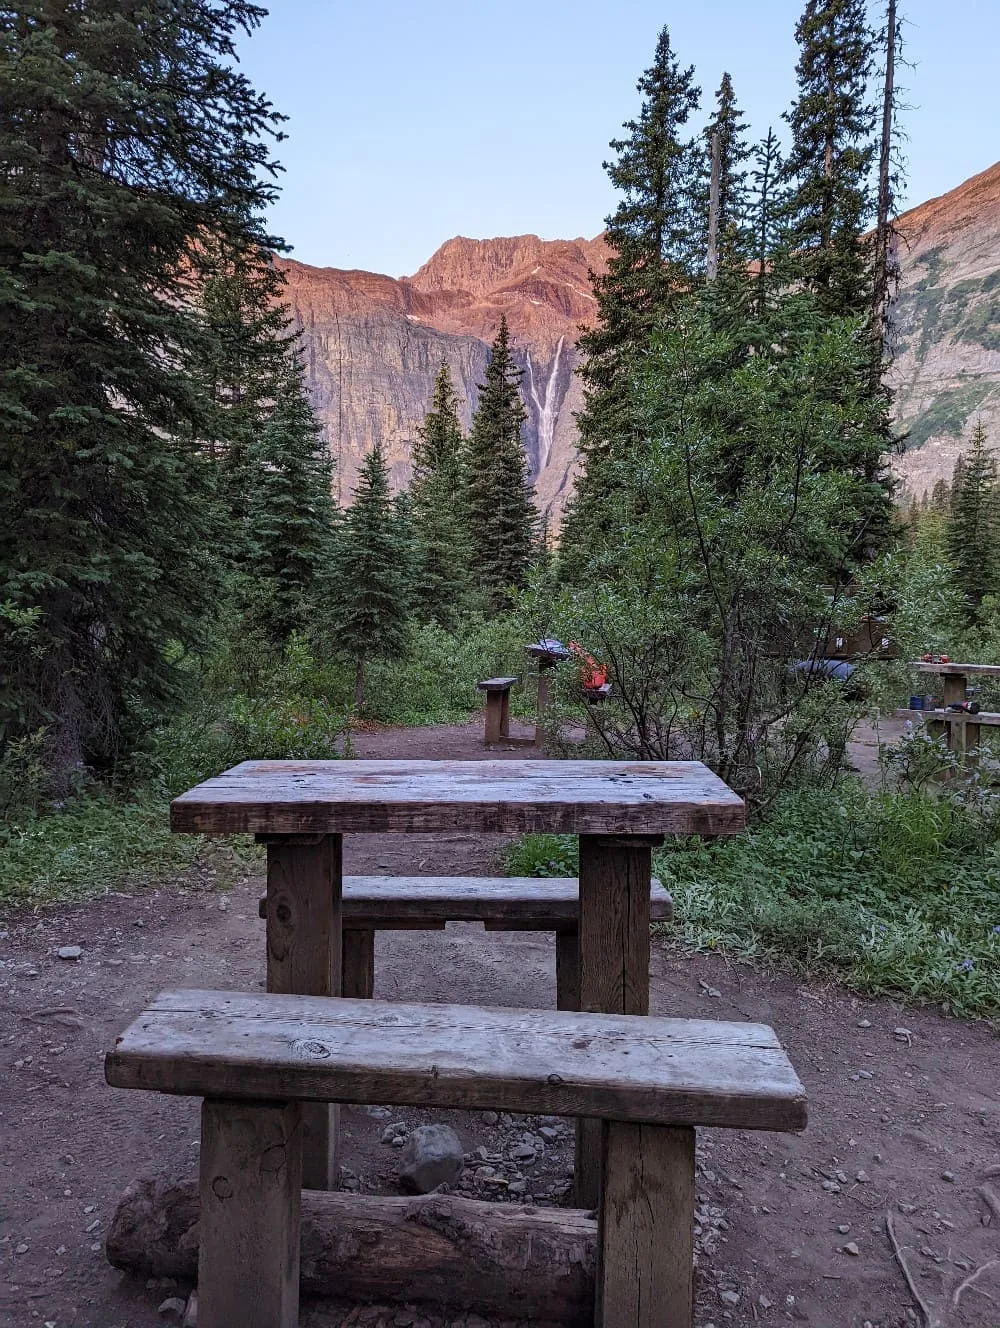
[
  {"x": 996, "y": 931},
  {"x": 967, "y": 965}
]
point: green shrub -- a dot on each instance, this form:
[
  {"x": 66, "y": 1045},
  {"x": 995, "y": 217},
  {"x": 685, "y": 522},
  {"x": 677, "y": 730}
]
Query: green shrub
[{"x": 890, "y": 892}]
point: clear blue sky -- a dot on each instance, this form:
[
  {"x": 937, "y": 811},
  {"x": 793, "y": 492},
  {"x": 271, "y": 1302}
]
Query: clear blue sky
[{"x": 414, "y": 120}]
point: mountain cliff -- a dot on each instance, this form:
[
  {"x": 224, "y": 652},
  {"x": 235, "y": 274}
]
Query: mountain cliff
[
  {"x": 374, "y": 343},
  {"x": 947, "y": 316}
]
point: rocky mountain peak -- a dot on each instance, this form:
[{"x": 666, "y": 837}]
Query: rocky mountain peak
[{"x": 375, "y": 343}]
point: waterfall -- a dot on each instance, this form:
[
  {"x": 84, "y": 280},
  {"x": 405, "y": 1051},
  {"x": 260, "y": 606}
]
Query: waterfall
[{"x": 546, "y": 407}]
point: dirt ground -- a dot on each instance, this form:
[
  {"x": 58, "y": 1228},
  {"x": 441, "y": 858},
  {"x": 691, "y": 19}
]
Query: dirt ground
[{"x": 903, "y": 1106}]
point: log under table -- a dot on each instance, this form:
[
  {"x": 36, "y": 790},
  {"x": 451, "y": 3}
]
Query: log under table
[{"x": 621, "y": 811}]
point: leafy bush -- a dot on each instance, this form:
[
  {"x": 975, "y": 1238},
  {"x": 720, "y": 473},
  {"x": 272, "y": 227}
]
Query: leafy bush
[{"x": 890, "y": 892}]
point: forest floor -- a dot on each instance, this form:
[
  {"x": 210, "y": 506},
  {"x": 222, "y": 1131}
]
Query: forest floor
[{"x": 903, "y": 1102}]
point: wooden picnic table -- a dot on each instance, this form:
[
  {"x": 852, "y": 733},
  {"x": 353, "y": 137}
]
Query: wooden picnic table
[
  {"x": 621, "y": 811},
  {"x": 960, "y": 729}
]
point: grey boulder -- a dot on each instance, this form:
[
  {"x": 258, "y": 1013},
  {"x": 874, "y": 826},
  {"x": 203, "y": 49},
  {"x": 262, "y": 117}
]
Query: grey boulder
[{"x": 432, "y": 1156}]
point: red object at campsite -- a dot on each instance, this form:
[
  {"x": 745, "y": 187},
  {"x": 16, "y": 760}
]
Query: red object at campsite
[{"x": 595, "y": 675}]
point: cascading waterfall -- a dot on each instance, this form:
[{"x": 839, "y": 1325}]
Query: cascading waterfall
[{"x": 546, "y": 408}]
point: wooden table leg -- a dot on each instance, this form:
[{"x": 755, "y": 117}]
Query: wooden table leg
[
  {"x": 251, "y": 1178},
  {"x": 953, "y": 689},
  {"x": 505, "y": 713},
  {"x": 645, "y": 1261},
  {"x": 493, "y": 718},
  {"x": 614, "y": 958},
  {"x": 304, "y": 956},
  {"x": 567, "y": 970},
  {"x": 359, "y": 963}
]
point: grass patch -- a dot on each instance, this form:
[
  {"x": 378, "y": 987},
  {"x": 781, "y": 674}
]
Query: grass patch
[
  {"x": 888, "y": 893},
  {"x": 94, "y": 845}
]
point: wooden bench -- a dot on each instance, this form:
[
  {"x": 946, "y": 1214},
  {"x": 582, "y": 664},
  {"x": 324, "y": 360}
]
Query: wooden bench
[
  {"x": 501, "y": 903},
  {"x": 497, "y": 708},
  {"x": 256, "y": 1059}
]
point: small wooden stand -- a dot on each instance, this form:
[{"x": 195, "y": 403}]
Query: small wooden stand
[{"x": 497, "y": 708}]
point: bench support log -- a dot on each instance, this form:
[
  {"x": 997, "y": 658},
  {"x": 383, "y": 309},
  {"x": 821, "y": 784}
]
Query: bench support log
[
  {"x": 251, "y": 1178},
  {"x": 646, "y": 1259},
  {"x": 304, "y": 955},
  {"x": 493, "y": 1259},
  {"x": 613, "y": 960}
]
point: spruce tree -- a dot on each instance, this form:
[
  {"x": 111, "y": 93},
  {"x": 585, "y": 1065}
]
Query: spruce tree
[
  {"x": 502, "y": 515},
  {"x": 829, "y": 164},
  {"x": 974, "y": 528},
  {"x": 250, "y": 350},
  {"x": 441, "y": 551},
  {"x": 656, "y": 246},
  {"x": 289, "y": 514},
  {"x": 370, "y": 612},
  {"x": 130, "y": 146},
  {"x": 766, "y": 208}
]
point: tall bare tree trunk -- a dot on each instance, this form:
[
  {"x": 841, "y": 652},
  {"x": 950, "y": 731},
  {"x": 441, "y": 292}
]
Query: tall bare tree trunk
[
  {"x": 884, "y": 228},
  {"x": 712, "y": 265}
]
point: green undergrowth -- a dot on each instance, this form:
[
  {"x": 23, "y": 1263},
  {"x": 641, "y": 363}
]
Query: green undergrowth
[
  {"x": 895, "y": 893},
  {"x": 95, "y": 844}
]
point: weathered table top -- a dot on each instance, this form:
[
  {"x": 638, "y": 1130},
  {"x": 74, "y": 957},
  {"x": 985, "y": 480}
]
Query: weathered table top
[
  {"x": 951, "y": 670},
  {"x": 507, "y": 797}
]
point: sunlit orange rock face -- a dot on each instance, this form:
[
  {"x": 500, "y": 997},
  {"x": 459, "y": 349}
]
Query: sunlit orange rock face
[
  {"x": 947, "y": 315},
  {"x": 374, "y": 344}
]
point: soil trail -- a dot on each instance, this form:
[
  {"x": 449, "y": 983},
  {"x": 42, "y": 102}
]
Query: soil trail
[{"x": 903, "y": 1103}]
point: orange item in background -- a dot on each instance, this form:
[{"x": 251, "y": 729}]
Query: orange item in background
[{"x": 594, "y": 675}]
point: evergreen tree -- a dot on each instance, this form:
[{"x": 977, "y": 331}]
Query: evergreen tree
[
  {"x": 441, "y": 576},
  {"x": 829, "y": 165},
  {"x": 370, "y": 613},
  {"x": 130, "y": 147},
  {"x": 656, "y": 247},
  {"x": 766, "y": 208},
  {"x": 502, "y": 515},
  {"x": 289, "y": 515},
  {"x": 974, "y": 528},
  {"x": 251, "y": 351}
]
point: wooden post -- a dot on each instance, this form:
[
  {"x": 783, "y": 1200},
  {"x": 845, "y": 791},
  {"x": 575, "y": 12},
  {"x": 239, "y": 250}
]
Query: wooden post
[
  {"x": 953, "y": 689},
  {"x": 304, "y": 956},
  {"x": 542, "y": 703},
  {"x": 359, "y": 963},
  {"x": 505, "y": 713},
  {"x": 567, "y": 970},
  {"x": 614, "y": 958},
  {"x": 494, "y": 718},
  {"x": 251, "y": 1178},
  {"x": 645, "y": 1260}
]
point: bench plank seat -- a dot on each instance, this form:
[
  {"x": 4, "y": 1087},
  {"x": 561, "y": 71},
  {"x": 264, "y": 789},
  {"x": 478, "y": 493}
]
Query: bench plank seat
[
  {"x": 516, "y": 903},
  {"x": 562, "y": 1063}
]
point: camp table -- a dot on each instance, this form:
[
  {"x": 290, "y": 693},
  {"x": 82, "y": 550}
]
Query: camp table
[{"x": 301, "y": 810}]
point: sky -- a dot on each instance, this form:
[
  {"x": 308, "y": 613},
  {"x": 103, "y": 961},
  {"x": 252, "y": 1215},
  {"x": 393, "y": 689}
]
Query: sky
[{"x": 410, "y": 122}]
